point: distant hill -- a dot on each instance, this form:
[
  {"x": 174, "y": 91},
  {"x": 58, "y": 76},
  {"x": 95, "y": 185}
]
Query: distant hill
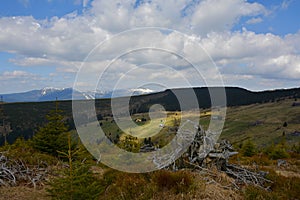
[
  {"x": 50, "y": 94},
  {"x": 26, "y": 117},
  {"x": 235, "y": 97},
  {"x": 45, "y": 94}
]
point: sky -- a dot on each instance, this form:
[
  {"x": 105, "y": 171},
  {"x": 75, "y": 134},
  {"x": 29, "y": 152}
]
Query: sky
[{"x": 106, "y": 45}]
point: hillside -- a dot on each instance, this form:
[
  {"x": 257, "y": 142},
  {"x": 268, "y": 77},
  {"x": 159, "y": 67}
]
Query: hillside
[
  {"x": 264, "y": 123},
  {"x": 82, "y": 173},
  {"x": 25, "y": 118}
]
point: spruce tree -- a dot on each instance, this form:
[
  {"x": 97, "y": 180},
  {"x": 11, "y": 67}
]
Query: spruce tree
[
  {"x": 77, "y": 181},
  {"x": 53, "y": 136},
  {"x": 248, "y": 149}
]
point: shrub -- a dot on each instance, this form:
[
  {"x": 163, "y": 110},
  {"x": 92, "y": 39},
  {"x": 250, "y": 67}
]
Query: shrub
[
  {"x": 285, "y": 124},
  {"x": 278, "y": 152},
  {"x": 24, "y": 151},
  {"x": 130, "y": 144},
  {"x": 248, "y": 149},
  {"x": 296, "y": 148}
]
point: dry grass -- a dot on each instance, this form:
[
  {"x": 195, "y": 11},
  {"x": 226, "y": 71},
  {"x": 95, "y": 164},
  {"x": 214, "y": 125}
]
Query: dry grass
[
  {"x": 160, "y": 185},
  {"x": 22, "y": 192},
  {"x": 215, "y": 192},
  {"x": 181, "y": 185},
  {"x": 211, "y": 189},
  {"x": 287, "y": 174}
]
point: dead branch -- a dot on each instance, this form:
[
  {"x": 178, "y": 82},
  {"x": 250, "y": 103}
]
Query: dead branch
[
  {"x": 15, "y": 171},
  {"x": 204, "y": 153}
]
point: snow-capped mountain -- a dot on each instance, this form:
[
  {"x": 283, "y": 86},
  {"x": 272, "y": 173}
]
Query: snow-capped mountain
[
  {"x": 48, "y": 90},
  {"x": 51, "y": 93}
]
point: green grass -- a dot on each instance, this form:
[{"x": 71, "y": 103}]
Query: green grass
[
  {"x": 263, "y": 123},
  {"x": 150, "y": 128}
]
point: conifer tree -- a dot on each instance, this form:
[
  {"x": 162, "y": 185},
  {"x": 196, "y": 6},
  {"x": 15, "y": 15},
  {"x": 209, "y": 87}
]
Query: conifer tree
[
  {"x": 77, "y": 181},
  {"x": 248, "y": 149},
  {"x": 53, "y": 136}
]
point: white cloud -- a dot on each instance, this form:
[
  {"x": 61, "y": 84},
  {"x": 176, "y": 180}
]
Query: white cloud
[
  {"x": 216, "y": 15},
  {"x": 19, "y": 75},
  {"x": 15, "y": 74},
  {"x": 71, "y": 37},
  {"x": 293, "y": 40},
  {"x": 254, "y": 20},
  {"x": 84, "y": 3},
  {"x": 247, "y": 53},
  {"x": 285, "y": 4},
  {"x": 65, "y": 42},
  {"x": 20, "y": 81}
]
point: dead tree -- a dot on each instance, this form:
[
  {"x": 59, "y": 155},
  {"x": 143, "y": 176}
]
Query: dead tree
[{"x": 204, "y": 152}]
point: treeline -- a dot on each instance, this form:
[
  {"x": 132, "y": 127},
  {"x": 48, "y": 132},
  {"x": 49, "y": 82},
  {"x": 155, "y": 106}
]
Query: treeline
[
  {"x": 25, "y": 118},
  {"x": 234, "y": 97}
]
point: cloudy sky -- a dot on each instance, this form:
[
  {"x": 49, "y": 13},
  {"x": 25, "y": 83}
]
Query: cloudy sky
[{"x": 252, "y": 44}]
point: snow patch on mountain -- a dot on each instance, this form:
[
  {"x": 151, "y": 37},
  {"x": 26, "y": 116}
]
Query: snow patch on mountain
[
  {"x": 48, "y": 90},
  {"x": 142, "y": 90}
]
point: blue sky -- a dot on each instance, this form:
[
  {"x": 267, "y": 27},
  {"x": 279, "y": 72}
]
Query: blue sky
[
  {"x": 254, "y": 44},
  {"x": 281, "y": 21},
  {"x": 39, "y": 9}
]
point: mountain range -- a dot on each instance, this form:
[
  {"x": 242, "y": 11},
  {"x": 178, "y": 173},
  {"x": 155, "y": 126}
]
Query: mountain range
[{"x": 51, "y": 94}]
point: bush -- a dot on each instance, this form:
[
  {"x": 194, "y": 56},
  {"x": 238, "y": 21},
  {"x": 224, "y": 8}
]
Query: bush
[
  {"x": 248, "y": 149},
  {"x": 130, "y": 144},
  {"x": 296, "y": 148},
  {"x": 278, "y": 152},
  {"x": 24, "y": 151}
]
